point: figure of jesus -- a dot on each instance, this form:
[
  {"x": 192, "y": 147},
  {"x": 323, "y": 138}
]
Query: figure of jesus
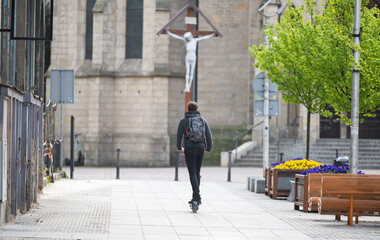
[{"x": 191, "y": 57}]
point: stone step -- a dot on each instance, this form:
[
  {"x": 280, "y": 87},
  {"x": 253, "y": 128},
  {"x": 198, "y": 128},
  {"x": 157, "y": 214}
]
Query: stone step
[
  {"x": 348, "y": 140},
  {"x": 332, "y": 146},
  {"x": 314, "y": 155},
  {"x": 324, "y": 151},
  {"x": 333, "y": 155},
  {"x": 319, "y": 149}
]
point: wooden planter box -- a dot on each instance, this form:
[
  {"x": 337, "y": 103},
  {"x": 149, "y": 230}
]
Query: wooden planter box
[
  {"x": 268, "y": 179},
  {"x": 280, "y": 185},
  {"x": 301, "y": 192},
  {"x": 307, "y": 191}
]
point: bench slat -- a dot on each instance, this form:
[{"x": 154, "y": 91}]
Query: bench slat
[
  {"x": 354, "y": 195},
  {"x": 314, "y": 186}
]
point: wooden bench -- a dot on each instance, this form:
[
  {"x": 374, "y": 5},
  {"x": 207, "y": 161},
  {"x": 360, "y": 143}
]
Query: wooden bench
[
  {"x": 308, "y": 191},
  {"x": 314, "y": 189},
  {"x": 356, "y": 195}
]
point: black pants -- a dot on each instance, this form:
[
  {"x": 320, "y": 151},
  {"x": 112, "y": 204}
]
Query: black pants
[{"x": 194, "y": 157}]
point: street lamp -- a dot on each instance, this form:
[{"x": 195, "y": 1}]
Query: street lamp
[
  {"x": 354, "y": 150},
  {"x": 266, "y": 90}
]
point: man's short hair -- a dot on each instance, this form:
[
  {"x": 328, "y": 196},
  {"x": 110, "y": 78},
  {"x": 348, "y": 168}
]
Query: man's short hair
[{"x": 192, "y": 106}]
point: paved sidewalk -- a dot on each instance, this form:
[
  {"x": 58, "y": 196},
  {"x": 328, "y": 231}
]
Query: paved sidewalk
[{"x": 148, "y": 204}]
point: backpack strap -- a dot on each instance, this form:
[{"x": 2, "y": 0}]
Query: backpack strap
[
  {"x": 187, "y": 127},
  {"x": 204, "y": 127},
  {"x": 204, "y": 131}
]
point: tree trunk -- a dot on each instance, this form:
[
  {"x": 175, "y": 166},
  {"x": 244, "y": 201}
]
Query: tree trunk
[{"x": 308, "y": 134}]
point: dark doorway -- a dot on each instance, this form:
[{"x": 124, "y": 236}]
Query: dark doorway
[
  {"x": 369, "y": 129},
  {"x": 329, "y": 127}
]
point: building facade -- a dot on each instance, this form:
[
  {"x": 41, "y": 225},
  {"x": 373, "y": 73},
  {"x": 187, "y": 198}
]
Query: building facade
[
  {"x": 129, "y": 82},
  {"x": 21, "y": 105}
]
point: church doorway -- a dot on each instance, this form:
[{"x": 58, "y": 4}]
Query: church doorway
[
  {"x": 329, "y": 127},
  {"x": 370, "y": 128}
]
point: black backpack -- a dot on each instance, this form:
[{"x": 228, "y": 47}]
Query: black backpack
[{"x": 195, "y": 130}]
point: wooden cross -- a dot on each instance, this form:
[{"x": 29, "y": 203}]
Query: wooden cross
[{"x": 189, "y": 28}]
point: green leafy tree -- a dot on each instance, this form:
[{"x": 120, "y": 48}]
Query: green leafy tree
[
  {"x": 309, "y": 56},
  {"x": 337, "y": 19},
  {"x": 290, "y": 60}
]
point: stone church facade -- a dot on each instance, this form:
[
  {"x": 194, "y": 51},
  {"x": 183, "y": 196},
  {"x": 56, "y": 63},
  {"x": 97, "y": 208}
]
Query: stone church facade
[{"x": 129, "y": 82}]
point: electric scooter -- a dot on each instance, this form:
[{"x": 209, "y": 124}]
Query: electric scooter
[{"x": 80, "y": 160}]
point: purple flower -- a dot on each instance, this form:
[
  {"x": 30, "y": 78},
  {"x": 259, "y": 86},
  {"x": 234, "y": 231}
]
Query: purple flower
[
  {"x": 275, "y": 164},
  {"x": 329, "y": 169}
]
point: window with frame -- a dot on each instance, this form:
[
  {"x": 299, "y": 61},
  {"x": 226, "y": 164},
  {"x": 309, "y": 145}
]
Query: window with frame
[
  {"x": 89, "y": 28},
  {"x": 134, "y": 31}
]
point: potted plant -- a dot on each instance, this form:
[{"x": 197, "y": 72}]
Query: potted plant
[{"x": 282, "y": 173}]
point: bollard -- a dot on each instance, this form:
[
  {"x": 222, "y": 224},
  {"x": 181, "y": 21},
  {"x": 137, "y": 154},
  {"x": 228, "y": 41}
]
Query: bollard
[
  {"x": 281, "y": 155},
  {"x": 236, "y": 147},
  {"x": 176, "y": 165},
  {"x": 336, "y": 153},
  {"x": 229, "y": 166},
  {"x": 72, "y": 148},
  {"x": 118, "y": 164}
]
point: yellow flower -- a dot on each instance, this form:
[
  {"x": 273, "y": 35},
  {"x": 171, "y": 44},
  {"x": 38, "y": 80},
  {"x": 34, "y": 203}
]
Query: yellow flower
[{"x": 302, "y": 164}]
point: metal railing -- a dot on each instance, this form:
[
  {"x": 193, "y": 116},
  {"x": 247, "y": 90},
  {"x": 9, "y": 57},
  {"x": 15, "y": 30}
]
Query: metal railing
[
  {"x": 241, "y": 134},
  {"x": 294, "y": 123}
]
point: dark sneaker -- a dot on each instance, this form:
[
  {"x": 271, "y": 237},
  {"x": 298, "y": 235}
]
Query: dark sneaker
[{"x": 191, "y": 201}]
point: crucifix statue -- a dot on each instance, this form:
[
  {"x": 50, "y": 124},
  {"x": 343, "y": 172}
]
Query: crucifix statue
[
  {"x": 191, "y": 38},
  {"x": 191, "y": 56}
]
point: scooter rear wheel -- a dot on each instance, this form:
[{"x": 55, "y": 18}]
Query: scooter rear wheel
[{"x": 194, "y": 207}]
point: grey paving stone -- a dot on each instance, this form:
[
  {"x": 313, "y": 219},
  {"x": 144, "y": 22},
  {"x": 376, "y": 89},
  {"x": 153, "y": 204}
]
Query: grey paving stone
[{"x": 148, "y": 204}]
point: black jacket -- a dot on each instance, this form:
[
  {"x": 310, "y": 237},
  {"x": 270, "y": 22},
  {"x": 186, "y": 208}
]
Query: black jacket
[{"x": 182, "y": 130}]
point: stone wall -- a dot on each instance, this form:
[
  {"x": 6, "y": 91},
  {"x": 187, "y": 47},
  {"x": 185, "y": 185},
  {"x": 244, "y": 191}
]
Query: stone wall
[
  {"x": 119, "y": 103},
  {"x": 126, "y": 113},
  {"x": 224, "y": 64},
  {"x": 68, "y": 33}
]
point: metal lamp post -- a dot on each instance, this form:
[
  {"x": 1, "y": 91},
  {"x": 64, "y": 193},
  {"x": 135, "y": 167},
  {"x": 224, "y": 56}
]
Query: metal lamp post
[
  {"x": 355, "y": 94},
  {"x": 266, "y": 91}
]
